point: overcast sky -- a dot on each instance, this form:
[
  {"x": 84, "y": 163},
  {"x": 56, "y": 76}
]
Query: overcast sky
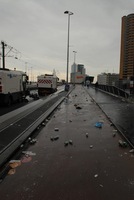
[{"x": 37, "y": 31}]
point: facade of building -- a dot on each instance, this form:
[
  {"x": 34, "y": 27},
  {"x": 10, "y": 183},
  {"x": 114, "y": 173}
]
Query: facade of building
[
  {"x": 77, "y": 73},
  {"x": 80, "y": 68},
  {"x": 127, "y": 48},
  {"x": 108, "y": 79},
  {"x": 74, "y": 68}
]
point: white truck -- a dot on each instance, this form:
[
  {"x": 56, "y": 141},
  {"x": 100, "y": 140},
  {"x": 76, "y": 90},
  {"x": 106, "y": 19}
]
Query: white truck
[
  {"x": 12, "y": 86},
  {"x": 47, "y": 84}
]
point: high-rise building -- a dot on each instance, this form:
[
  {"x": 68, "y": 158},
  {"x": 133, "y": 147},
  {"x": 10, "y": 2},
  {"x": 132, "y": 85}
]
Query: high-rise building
[
  {"x": 74, "y": 68},
  {"x": 127, "y": 48},
  {"x": 77, "y": 73},
  {"x": 80, "y": 68}
]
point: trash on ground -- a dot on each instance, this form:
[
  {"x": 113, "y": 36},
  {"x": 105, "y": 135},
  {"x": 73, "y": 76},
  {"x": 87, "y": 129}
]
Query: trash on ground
[
  {"x": 33, "y": 141},
  {"x": 22, "y": 145},
  {"x": 114, "y": 134},
  {"x": 71, "y": 142},
  {"x": 87, "y": 135},
  {"x": 91, "y": 146},
  {"x": 43, "y": 124},
  {"x": 14, "y": 163},
  {"x": 29, "y": 153},
  {"x": 96, "y": 175},
  {"x": 78, "y": 107},
  {"x": 66, "y": 143},
  {"x": 52, "y": 138},
  {"x": 11, "y": 171},
  {"x": 56, "y": 129},
  {"x": 56, "y": 137},
  {"x": 131, "y": 151},
  {"x": 98, "y": 124},
  {"x": 101, "y": 185},
  {"x": 122, "y": 144},
  {"x": 26, "y": 159}
]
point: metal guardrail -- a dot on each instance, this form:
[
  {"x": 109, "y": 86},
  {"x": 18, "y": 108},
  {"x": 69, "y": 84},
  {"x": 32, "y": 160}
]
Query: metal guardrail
[
  {"x": 25, "y": 132},
  {"x": 113, "y": 90}
]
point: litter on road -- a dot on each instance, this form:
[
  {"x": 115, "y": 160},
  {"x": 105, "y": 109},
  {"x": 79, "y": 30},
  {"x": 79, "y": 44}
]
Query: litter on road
[
  {"x": 33, "y": 141},
  {"x": 87, "y": 135},
  {"x": 96, "y": 175},
  {"x": 56, "y": 129},
  {"x": 71, "y": 142},
  {"x": 66, "y": 143},
  {"x": 52, "y": 138},
  {"x": 122, "y": 144},
  {"x": 98, "y": 124},
  {"x": 14, "y": 163},
  {"x": 29, "y": 153},
  {"x": 131, "y": 151}
]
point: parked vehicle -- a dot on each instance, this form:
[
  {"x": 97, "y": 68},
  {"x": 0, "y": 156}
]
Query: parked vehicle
[
  {"x": 12, "y": 86},
  {"x": 47, "y": 84}
]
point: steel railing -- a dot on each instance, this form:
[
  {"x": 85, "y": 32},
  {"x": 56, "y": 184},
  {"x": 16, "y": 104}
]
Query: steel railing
[{"x": 113, "y": 90}]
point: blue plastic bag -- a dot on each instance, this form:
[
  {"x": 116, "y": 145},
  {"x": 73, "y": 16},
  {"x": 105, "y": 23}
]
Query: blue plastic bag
[{"x": 98, "y": 124}]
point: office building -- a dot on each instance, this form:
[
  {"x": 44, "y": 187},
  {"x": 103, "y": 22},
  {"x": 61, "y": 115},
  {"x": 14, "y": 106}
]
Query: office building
[
  {"x": 77, "y": 73},
  {"x": 127, "y": 48},
  {"x": 108, "y": 79},
  {"x": 80, "y": 68},
  {"x": 74, "y": 68}
]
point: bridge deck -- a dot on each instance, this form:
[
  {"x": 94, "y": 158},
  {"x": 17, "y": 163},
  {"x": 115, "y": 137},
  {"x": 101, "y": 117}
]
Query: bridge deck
[{"x": 82, "y": 162}]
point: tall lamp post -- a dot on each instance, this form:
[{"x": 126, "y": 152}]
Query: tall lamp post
[
  {"x": 68, "y": 13},
  {"x": 74, "y": 55},
  {"x": 74, "y": 64}
]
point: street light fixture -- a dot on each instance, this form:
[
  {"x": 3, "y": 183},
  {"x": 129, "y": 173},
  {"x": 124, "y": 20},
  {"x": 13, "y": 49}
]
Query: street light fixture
[{"x": 68, "y": 13}]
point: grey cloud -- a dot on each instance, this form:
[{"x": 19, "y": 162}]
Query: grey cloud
[{"x": 38, "y": 29}]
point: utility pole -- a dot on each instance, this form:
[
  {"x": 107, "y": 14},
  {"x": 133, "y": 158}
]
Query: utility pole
[{"x": 3, "y": 54}]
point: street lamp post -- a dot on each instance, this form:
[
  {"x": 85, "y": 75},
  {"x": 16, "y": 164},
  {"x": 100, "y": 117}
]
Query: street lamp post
[
  {"x": 69, "y": 13},
  {"x": 74, "y": 55},
  {"x": 74, "y": 65}
]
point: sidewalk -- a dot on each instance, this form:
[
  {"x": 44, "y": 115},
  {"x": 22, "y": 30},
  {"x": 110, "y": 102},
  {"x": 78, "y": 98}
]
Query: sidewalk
[
  {"x": 83, "y": 162},
  {"x": 120, "y": 112}
]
